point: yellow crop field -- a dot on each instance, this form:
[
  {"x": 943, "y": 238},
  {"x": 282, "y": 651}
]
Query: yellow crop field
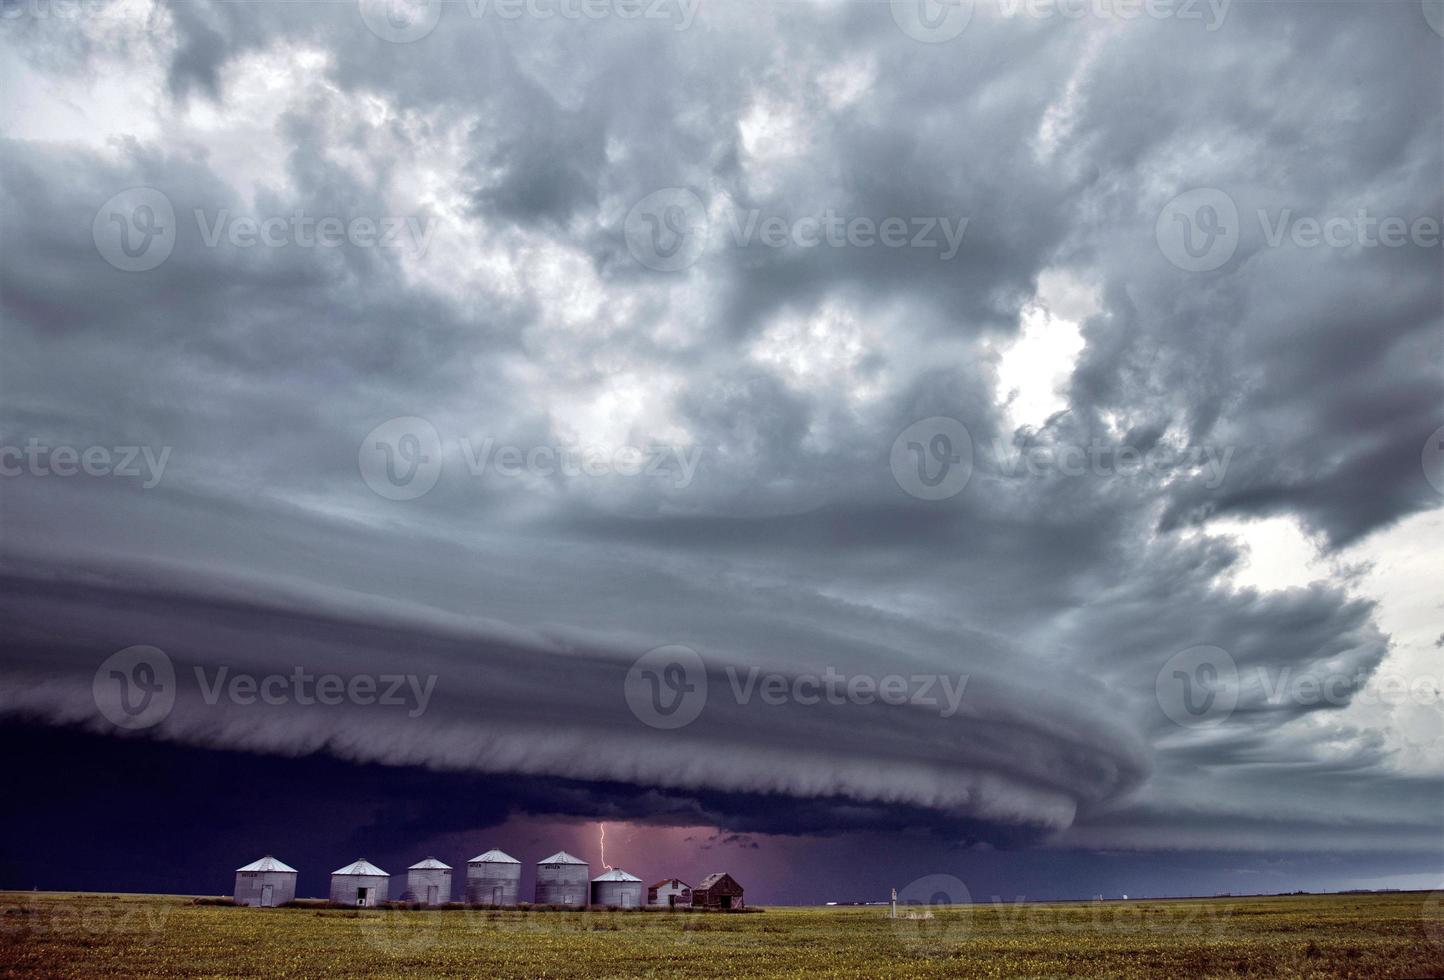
[{"x": 1391, "y": 935}]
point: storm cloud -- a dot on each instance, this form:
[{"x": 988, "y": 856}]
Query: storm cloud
[{"x": 626, "y": 450}]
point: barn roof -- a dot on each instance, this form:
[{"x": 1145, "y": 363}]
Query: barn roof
[
  {"x": 268, "y": 863},
  {"x": 561, "y": 857},
  {"x": 361, "y": 867},
  {"x": 668, "y": 881},
  {"x": 616, "y": 874},
  {"x": 712, "y": 879},
  {"x": 430, "y": 864},
  {"x": 494, "y": 856}
]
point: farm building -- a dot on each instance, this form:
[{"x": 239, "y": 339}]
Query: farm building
[
  {"x": 617, "y": 888},
  {"x": 428, "y": 882},
  {"x": 562, "y": 880},
  {"x": 670, "y": 892},
  {"x": 265, "y": 883},
  {"x": 361, "y": 883},
  {"x": 717, "y": 891},
  {"x": 493, "y": 878}
]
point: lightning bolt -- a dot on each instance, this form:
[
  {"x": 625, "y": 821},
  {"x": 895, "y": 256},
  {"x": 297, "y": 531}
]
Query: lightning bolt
[{"x": 603, "y": 829}]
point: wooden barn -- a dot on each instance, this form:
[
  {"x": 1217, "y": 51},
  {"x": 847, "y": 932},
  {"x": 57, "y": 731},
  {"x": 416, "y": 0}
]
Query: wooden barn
[{"x": 717, "y": 891}]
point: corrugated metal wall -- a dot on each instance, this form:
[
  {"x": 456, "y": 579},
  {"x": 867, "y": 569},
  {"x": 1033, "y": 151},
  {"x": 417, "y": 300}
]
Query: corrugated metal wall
[
  {"x": 419, "y": 881},
  {"x": 493, "y": 883},
  {"x": 562, "y": 884},
  {"x": 343, "y": 888},
  {"x": 623, "y": 894},
  {"x": 251, "y": 887}
]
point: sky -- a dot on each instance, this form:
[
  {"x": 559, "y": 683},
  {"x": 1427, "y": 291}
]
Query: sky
[{"x": 837, "y": 442}]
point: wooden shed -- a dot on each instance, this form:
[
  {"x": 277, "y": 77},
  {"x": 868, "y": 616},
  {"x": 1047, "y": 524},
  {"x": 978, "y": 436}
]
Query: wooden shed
[
  {"x": 670, "y": 892},
  {"x": 717, "y": 891}
]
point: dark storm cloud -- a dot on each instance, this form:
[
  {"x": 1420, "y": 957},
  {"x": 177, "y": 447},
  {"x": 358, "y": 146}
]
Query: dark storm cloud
[{"x": 789, "y": 372}]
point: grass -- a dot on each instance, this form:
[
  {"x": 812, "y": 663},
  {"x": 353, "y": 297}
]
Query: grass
[{"x": 85, "y": 935}]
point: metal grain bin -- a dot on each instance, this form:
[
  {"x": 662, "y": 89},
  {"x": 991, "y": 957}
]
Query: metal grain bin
[
  {"x": 617, "y": 889},
  {"x": 361, "y": 883},
  {"x": 562, "y": 880},
  {"x": 493, "y": 878},
  {"x": 265, "y": 883},
  {"x": 428, "y": 882}
]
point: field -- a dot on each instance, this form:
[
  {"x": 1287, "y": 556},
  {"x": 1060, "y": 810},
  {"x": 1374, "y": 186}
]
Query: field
[{"x": 1396, "y": 935}]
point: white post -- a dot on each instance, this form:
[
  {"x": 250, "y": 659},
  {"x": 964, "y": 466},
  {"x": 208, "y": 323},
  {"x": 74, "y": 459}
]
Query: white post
[{"x": 894, "y": 903}]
